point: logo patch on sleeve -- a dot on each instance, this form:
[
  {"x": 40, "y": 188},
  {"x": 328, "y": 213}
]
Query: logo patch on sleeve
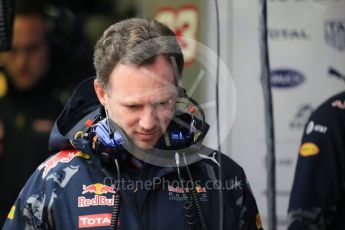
[
  {"x": 258, "y": 221},
  {"x": 11, "y": 213},
  {"x": 309, "y": 149}
]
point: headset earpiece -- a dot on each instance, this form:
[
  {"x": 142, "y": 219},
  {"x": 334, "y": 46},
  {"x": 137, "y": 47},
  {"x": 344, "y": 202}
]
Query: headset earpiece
[
  {"x": 180, "y": 136},
  {"x": 108, "y": 139}
]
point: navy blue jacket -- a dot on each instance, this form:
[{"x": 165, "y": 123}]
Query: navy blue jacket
[
  {"x": 75, "y": 188},
  {"x": 317, "y": 198}
]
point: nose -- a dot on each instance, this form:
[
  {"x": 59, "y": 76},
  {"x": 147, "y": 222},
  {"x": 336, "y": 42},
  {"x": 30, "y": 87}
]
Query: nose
[{"x": 148, "y": 120}]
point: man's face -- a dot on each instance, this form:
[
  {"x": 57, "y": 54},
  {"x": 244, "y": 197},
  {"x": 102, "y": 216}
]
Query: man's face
[
  {"x": 27, "y": 61},
  {"x": 141, "y": 100}
]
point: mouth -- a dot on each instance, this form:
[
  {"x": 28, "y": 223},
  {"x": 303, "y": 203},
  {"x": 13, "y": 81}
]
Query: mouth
[{"x": 146, "y": 136}]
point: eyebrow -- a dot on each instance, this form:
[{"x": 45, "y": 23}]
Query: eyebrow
[{"x": 136, "y": 101}]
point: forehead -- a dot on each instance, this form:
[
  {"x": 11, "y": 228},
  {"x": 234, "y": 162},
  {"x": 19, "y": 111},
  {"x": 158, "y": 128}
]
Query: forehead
[
  {"x": 28, "y": 28},
  {"x": 132, "y": 80}
]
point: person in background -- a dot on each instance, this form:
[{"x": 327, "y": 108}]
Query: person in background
[
  {"x": 28, "y": 106},
  {"x": 317, "y": 198}
]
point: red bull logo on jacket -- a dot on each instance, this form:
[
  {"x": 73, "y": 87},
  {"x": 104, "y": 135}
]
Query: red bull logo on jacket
[
  {"x": 180, "y": 194},
  {"x": 95, "y": 201},
  {"x": 98, "y": 189},
  {"x": 98, "y": 200},
  {"x": 61, "y": 157}
]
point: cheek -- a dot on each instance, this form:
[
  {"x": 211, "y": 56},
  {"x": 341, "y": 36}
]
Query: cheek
[
  {"x": 165, "y": 115},
  {"x": 124, "y": 119},
  {"x": 40, "y": 59},
  {"x": 131, "y": 120}
]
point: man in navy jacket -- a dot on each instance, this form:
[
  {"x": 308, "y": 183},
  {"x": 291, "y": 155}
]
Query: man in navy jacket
[
  {"x": 127, "y": 158},
  {"x": 318, "y": 195}
]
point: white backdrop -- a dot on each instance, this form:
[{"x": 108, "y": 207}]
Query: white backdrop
[{"x": 306, "y": 40}]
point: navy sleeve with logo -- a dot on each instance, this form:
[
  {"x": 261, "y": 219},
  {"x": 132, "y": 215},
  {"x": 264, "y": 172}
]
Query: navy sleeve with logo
[
  {"x": 34, "y": 207},
  {"x": 29, "y": 210},
  {"x": 317, "y": 196}
]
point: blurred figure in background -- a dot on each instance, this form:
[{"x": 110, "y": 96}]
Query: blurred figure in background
[
  {"x": 27, "y": 104},
  {"x": 51, "y": 53},
  {"x": 318, "y": 195}
]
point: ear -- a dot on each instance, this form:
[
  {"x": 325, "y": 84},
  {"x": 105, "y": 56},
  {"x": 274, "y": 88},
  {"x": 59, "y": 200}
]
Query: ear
[{"x": 100, "y": 91}]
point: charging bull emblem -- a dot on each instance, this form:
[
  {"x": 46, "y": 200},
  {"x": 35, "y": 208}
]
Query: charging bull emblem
[
  {"x": 98, "y": 189},
  {"x": 61, "y": 157}
]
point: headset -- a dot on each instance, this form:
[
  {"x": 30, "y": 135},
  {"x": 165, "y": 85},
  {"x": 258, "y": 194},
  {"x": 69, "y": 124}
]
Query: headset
[{"x": 184, "y": 130}]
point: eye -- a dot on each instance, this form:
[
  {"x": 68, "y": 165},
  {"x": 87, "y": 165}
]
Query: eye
[
  {"x": 132, "y": 106},
  {"x": 163, "y": 103}
]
